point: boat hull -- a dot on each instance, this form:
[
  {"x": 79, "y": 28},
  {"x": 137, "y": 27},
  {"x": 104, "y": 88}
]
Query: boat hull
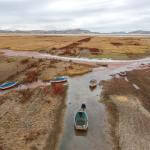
[
  {"x": 7, "y": 86},
  {"x": 84, "y": 126},
  {"x": 59, "y": 80}
]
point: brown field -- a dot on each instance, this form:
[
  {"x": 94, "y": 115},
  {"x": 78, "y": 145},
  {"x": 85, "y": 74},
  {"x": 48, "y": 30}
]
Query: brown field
[
  {"x": 81, "y": 46},
  {"x": 30, "y": 119},
  {"x": 37, "y": 43},
  {"x": 123, "y": 47},
  {"x": 27, "y": 70},
  {"x": 129, "y": 110}
]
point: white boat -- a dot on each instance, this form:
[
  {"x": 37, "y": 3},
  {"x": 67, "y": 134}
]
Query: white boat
[
  {"x": 93, "y": 83},
  {"x": 81, "y": 120},
  {"x": 123, "y": 74}
]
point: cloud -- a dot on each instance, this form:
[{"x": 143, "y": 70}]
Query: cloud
[{"x": 96, "y": 15}]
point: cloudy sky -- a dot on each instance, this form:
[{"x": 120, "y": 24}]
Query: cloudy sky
[{"x": 95, "y": 15}]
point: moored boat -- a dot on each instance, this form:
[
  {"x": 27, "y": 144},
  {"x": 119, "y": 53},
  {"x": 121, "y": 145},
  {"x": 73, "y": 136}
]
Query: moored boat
[
  {"x": 93, "y": 83},
  {"x": 81, "y": 120},
  {"x": 59, "y": 79},
  {"x": 123, "y": 74},
  {"x": 7, "y": 85}
]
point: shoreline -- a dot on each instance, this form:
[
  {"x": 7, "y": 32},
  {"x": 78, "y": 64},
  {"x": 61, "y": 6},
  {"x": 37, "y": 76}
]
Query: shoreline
[
  {"x": 128, "y": 110},
  {"x": 57, "y": 131}
]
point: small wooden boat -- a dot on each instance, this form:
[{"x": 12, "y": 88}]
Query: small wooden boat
[
  {"x": 122, "y": 74},
  {"x": 81, "y": 120},
  {"x": 7, "y": 85},
  {"x": 93, "y": 83},
  {"x": 59, "y": 79}
]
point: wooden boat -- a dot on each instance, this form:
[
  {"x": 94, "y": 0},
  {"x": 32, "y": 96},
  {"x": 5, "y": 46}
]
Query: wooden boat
[
  {"x": 81, "y": 120},
  {"x": 122, "y": 74},
  {"x": 7, "y": 85},
  {"x": 93, "y": 83},
  {"x": 59, "y": 79}
]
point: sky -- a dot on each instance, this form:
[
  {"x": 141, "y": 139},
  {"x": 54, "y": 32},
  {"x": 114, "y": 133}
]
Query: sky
[{"x": 94, "y": 15}]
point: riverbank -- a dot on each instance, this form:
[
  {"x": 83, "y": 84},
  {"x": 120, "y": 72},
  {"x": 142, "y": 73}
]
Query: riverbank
[
  {"x": 30, "y": 119},
  {"x": 128, "y": 105}
]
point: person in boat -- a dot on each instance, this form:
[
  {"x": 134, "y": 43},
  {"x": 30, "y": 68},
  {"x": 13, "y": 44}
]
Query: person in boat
[{"x": 83, "y": 106}]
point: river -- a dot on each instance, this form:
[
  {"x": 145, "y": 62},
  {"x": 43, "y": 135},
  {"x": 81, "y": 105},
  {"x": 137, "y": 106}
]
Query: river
[{"x": 96, "y": 138}]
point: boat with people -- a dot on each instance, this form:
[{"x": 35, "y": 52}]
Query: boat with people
[
  {"x": 8, "y": 85},
  {"x": 81, "y": 119},
  {"x": 59, "y": 79},
  {"x": 93, "y": 83}
]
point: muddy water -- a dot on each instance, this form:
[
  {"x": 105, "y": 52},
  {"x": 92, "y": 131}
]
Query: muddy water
[
  {"x": 79, "y": 92},
  {"x": 96, "y": 137}
]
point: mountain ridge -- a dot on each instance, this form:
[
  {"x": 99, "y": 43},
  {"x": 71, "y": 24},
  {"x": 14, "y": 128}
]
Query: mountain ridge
[{"x": 71, "y": 31}]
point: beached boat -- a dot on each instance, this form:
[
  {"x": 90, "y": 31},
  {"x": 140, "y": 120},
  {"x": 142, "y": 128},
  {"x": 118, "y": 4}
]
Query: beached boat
[
  {"x": 81, "y": 120},
  {"x": 93, "y": 83},
  {"x": 8, "y": 85},
  {"x": 59, "y": 79}
]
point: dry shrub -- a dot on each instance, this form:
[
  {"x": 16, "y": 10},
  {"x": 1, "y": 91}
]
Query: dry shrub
[
  {"x": 116, "y": 43},
  {"x": 46, "y": 90},
  {"x": 31, "y": 76},
  {"x": 26, "y": 95},
  {"x": 93, "y": 50},
  {"x": 24, "y": 61},
  {"x": 31, "y": 136},
  {"x": 85, "y": 40},
  {"x": 54, "y": 48},
  {"x": 41, "y": 60},
  {"x": 58, "y": 88}
]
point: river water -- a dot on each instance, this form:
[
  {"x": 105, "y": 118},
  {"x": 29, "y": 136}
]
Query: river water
[{"x": 78, "y": 92}]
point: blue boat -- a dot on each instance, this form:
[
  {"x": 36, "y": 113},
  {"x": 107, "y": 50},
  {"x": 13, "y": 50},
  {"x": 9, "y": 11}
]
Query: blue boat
[
  {"x": 7, "y": 85},
  {"x": 59, "y": 79}
]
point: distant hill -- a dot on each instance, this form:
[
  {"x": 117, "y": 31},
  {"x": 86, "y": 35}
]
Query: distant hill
[
  {"x": 71, "y": 31},
  {"x": 139, "y": 32}
]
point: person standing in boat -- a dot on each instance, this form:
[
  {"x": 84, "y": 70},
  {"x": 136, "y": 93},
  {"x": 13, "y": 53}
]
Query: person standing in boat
[{"x": 83, "y": 106}]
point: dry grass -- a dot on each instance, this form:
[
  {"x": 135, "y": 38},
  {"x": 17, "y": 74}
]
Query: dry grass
[
  {"x": 129, "y": 110},
  {"x": 24, "y": 61},
  {"x": 119, "y": 45},
  {"x": 58, "y": 89},
  {"x": 97, "y": 47},
  {"x": 38, "y": 43},
  {"x": 26, "y": 95},
  {"x": 31, "y": 76}
]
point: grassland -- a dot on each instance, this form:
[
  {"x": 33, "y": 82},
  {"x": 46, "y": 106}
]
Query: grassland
[
  {"x": 81, "y": 46},
  {"x": 36, "y": 43},
  {"x": 119, "y": 47},
  {"x": 27, "y": 70}
]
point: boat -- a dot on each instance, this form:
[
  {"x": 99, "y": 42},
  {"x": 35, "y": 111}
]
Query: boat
[
  {"x": 93, "y": 83},
  {"x": 123, "y": 74},
  {"x": 81, "y": 119},
  {"x": 7, "y": 85},
  {"x": 59, "y": 79}
]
